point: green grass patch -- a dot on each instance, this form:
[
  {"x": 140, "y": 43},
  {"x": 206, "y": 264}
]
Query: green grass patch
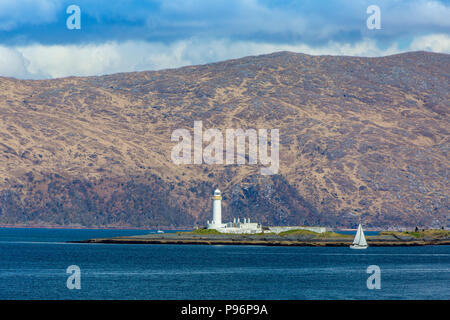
[
  {"x": 205, "y": 231},
  {"x": 330, "y": 234},
  {"x": 298, "y": 232},
  {"x": 432, "y": 233}
]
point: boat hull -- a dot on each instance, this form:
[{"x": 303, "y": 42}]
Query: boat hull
[{"x": 358, "y": 247}]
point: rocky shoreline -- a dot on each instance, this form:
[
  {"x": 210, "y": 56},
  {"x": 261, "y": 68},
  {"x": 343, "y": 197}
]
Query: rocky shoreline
[{"x": 267, "y": 240}]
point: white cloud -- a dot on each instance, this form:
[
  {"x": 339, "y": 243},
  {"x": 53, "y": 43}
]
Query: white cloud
[
  {"x": 54, "y": 61},
  {"x": 435, "y": 43},
  {"x": 13, "y": 64}
]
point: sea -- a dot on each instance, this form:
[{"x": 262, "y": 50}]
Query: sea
[{"x": 34, "y": 264}]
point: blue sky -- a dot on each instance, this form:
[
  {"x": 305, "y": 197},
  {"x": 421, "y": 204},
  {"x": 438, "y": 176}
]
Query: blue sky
[{"x": 117, "y": 36}]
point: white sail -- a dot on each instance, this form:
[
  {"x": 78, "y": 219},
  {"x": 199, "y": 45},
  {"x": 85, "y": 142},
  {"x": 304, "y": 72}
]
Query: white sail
[
  {"x": 360, "y": 239},
  {"x": 358, "y": 235}
]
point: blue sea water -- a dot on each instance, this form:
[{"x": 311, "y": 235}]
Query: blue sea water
[{"x": 33, "y": 265}]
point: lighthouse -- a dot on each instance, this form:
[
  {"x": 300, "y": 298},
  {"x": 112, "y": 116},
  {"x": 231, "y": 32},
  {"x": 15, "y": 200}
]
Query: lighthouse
[
  {"x": 231, "y": 227},
  {"x": 217, "y": 208}
]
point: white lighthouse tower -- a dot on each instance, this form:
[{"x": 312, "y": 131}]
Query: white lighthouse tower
[
  {"x": 217, "y": 209},
  {"x": 216, "y": 222},
  {"x": 231, "y": 227}
]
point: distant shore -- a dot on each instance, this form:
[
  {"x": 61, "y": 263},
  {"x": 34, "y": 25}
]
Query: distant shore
[
  {"x": 74, "y": 227},
  {"x": 299, "y": 238}
]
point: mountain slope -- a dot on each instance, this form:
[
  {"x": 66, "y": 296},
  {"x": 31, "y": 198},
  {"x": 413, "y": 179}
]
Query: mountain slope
[{"x": 358, "y": 136}]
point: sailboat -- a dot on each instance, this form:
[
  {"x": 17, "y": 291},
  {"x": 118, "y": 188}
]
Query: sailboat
[{"x": 360, "y": 240}]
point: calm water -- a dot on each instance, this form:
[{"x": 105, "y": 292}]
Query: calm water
[{"x": 33, "y": 265}]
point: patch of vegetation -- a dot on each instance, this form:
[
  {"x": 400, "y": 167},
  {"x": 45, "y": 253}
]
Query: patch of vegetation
[
  {"x": 298, "y": 232},
  {"x": 330, "y": 234},
  {"x": 432, "y": 233}
]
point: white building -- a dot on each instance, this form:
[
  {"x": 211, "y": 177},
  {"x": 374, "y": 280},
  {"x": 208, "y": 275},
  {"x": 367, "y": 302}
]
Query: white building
[{"x": 236, "y": 226}]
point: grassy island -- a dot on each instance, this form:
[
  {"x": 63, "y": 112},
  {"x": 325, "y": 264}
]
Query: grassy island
[
  {"x": 287, "y": 238},
  {"x": 433, "y": 233}
]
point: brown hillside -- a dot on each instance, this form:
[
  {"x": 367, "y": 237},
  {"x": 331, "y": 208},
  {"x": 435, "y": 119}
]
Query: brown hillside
[{"x": 358, "y": 136}]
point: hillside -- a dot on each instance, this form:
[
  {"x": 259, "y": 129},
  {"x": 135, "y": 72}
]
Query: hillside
[{"x": 358, "y": 136}]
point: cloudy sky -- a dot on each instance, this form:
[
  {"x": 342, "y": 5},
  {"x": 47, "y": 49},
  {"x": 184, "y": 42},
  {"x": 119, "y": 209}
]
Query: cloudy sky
[{"x": 136, "y": 35}]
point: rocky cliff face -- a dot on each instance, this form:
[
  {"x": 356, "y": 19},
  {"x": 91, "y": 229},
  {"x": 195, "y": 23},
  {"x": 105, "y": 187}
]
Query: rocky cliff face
[{"x": 358, "y": 137}]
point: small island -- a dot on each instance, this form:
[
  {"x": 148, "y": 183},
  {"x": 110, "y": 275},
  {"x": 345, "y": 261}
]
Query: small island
[
  {"x": 250, "y": 233},
  {"x": 296, "y": 237}
]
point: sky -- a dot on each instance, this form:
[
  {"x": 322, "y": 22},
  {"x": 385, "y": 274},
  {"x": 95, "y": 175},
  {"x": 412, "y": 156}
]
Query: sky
[{"x": 137, "y": 35}]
